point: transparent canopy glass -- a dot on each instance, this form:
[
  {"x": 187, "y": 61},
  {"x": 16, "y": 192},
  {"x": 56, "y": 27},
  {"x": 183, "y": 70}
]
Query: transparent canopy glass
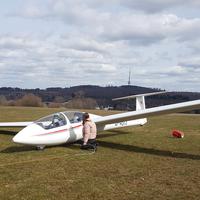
[{"x": 59, "y": 119}]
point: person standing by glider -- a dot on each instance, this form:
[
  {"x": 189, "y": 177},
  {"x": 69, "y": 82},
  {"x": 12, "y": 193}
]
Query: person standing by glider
[{"x": 89, "y": 133}]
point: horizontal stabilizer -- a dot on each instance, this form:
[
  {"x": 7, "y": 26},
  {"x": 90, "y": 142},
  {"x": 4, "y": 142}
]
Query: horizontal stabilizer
[{"x": 138, "y": 95}]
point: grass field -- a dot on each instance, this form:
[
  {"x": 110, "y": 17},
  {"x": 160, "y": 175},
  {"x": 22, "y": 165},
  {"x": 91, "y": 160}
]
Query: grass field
[{"x": 131, "y": 163}]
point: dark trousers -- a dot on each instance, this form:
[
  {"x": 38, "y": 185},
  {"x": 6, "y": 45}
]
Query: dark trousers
[{"x": 91, "y": 144}]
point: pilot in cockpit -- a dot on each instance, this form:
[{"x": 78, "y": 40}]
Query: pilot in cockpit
[
  {"x": 57, "y": 121},
  {"x": 76, "y": 119}
]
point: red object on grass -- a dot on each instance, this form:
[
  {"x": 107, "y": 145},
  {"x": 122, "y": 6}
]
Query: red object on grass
[{"x": 177, "y": 134}]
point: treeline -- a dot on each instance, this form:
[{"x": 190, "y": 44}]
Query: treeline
[
  {"x": 90, "y": 91},
  {"x": 31, "y": 100},
  {"x": 89, "y": 96}
]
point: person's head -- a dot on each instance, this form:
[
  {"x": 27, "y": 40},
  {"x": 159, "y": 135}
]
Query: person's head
[
  {"x": 86, "y": 116},
  {"x": 76, "y": 118},
  {"x": 55, "y": 118}
]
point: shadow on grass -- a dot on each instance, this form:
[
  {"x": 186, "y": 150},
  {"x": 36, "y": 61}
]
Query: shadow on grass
[
  {"x": 123, "y": 147},
  {"x": 112, "y": 133},
  {"x": 16, "y": 149},
  {"x": 150, "y": 151},
  {"x": 5, "y": 132},
  {"x": 75, "y": 145}
]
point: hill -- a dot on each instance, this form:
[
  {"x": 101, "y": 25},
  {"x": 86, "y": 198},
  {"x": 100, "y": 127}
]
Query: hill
[{"x": 102, "y": 95}]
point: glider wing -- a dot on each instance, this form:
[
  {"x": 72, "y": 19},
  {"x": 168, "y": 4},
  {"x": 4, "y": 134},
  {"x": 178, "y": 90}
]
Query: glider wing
[
  {"x": 173, "y": 108},
  {"x": 14, "y": 124}
]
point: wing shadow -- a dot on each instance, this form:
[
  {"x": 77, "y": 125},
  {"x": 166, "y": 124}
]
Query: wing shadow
[
  {"x": 17, "y": 149},
  {"x": 112, "y": 134},
  {"x": 123, "y": 147},
  {"x": 26, "y": 148},
  {"x": 150, "y": 151},
  {"x": 6, "y": 132}
]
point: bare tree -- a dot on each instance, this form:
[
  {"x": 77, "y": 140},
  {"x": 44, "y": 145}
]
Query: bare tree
[
  {"x": 3, "y": 100},
  {"x": 59, "y": 99},
  {"x": 80, "y": 103},
  {"x": 29, "y": 100}
]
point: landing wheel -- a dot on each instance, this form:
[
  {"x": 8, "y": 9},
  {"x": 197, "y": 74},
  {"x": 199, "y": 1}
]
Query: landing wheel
[{"x": 40, "y": 148}]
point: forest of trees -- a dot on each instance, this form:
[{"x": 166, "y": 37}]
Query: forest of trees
[{"x": 88, "y": 96}]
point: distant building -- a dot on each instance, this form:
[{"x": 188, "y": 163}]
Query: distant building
[{"x": 109, "y": 108}]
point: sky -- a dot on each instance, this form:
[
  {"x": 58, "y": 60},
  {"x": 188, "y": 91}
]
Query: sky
[{"x": 63, "y": 43}]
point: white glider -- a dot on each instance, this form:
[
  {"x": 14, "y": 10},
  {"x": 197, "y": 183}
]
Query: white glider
[{"x": 66, "y": 127}]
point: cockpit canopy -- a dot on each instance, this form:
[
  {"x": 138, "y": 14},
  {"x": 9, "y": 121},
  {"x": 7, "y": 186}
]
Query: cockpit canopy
[
  {"x": 60, "y": 119},
  {"x": 74, "y": 117}
]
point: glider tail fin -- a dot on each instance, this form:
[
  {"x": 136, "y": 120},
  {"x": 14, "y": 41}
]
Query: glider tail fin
[
  {"x": 140, "y": 103},
  {"x": 140, "y": 99}
]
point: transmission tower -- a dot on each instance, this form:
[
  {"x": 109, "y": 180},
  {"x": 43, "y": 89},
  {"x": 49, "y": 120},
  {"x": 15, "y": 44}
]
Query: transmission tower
[{"x": 129, "y": 77}]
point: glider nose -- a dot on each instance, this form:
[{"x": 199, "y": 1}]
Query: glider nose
[
  {"x": 24, "y": 135},
  {"x": 28, "y": 134},
  {"x": 20, "y": 138},
  {"x": 17, "y": 139}
]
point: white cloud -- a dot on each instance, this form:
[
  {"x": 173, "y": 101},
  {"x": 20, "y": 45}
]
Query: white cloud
[
  {"x": 149, "y": 29},
  {"x": 192, "y": 64},
  {"x": 139, "y": 28},
  {"x": 87, "y": 10},
  {"x": 155, "y": 6},
  {"x": 47, "y": 59},
  {"x": 13, "y": 42},
  {"x": 81, "y": 41},
  {"x": 175, "y": 70}
]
